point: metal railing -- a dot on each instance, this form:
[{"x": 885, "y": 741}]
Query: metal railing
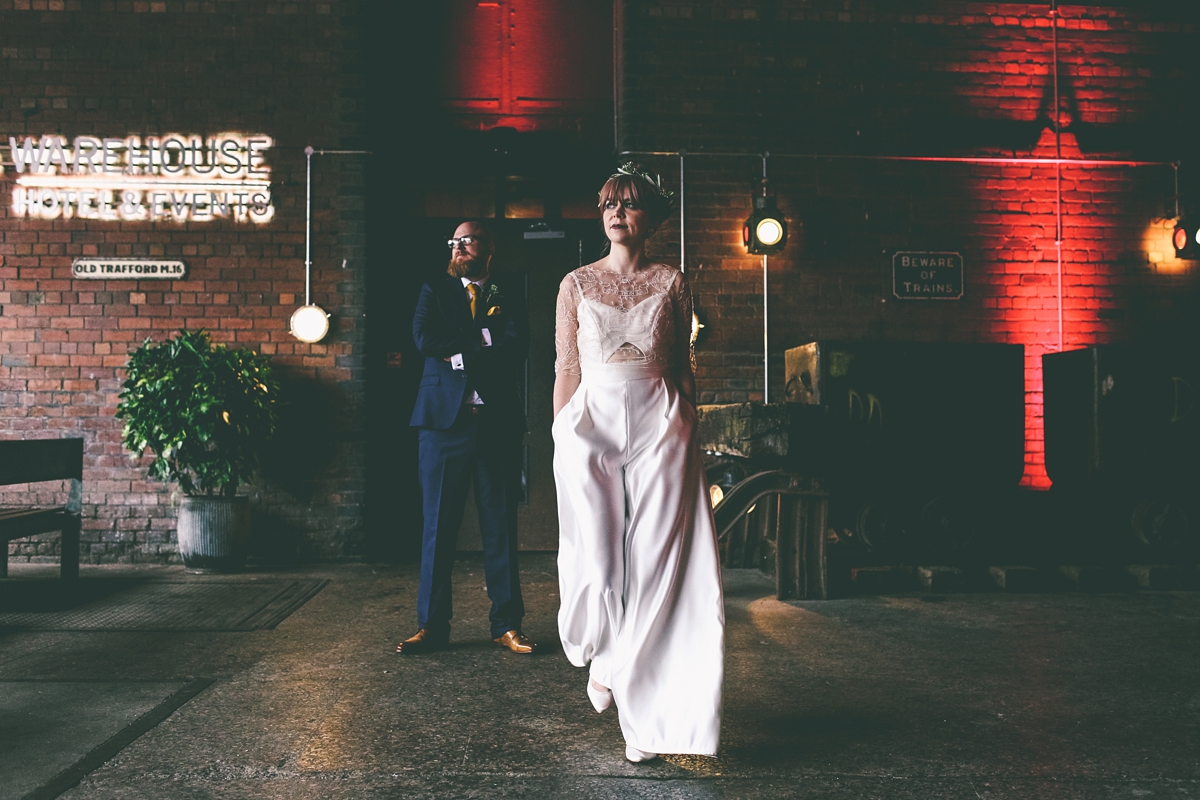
[{"x": 791, "y": 528}]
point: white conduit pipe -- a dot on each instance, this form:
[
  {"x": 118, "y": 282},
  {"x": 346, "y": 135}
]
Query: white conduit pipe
[
  {"x": 1078, "y": 162},
  {"x": 309, "y": 152},
  {"x": 766, "y": 330},
  {"x": 1058, "y": 215},
  {"x": 682, "y": 217}
]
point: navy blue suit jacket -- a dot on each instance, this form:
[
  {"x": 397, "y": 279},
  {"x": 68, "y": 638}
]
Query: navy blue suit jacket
[{"x": 443, "y": 326}]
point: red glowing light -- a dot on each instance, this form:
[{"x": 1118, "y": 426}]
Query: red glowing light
[
  {"x": 527, "y": 64},
  {"x": 1033, "y": 291},
  {"x": 1181, "y": 237}
]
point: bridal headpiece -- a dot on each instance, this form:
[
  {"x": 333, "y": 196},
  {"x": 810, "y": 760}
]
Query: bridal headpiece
[{"x": 655, "y": 180}]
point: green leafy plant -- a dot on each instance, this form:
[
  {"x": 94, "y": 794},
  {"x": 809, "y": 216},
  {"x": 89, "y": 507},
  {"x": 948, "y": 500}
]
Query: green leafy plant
[{"x": 205, "y": 411}]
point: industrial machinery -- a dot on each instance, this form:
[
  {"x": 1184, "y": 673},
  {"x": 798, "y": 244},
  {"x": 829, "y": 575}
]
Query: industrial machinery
[
  {"x": 1122, "y": 444},
  {"x": 920, "y": 445}
]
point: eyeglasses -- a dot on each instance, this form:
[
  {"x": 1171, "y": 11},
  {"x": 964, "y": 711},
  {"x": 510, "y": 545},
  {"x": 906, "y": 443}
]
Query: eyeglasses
[{"x": 463, "y": 241}]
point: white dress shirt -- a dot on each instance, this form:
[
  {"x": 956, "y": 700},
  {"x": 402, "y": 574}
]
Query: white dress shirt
[{"x": 456, "y": 360}]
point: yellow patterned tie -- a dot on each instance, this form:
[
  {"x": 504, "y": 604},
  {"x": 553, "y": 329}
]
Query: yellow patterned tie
[{"x": 473, "y": 290}]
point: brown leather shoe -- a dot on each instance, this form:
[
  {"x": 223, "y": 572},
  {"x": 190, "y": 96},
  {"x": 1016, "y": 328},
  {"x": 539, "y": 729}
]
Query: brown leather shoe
[
  {"x": 517, "y": 642},
  {"x": 422, "y": 642}
]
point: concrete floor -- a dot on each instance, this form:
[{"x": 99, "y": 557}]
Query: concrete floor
[{"x": 984, "y": 695}]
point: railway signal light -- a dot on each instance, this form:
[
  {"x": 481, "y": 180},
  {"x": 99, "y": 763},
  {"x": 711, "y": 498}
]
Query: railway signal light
[
  {"x": 1187, "y": 245},
  {"x": 765, "y": 231}
]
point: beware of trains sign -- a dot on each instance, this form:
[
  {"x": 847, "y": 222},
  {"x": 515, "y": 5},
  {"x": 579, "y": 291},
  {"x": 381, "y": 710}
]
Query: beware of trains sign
[{"x": 927, "y": 275}]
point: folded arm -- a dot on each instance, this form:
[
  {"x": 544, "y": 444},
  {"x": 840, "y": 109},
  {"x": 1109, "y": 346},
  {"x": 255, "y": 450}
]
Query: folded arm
[
  {"x": 509, "y": 339},
  {"x": 435, "y": 336}
]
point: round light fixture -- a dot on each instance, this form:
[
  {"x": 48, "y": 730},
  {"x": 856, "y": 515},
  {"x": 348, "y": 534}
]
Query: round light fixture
[
  {"x": 769, "y": 231},
  {"x": 1181, "y": 237},
  {"x": 310, "y": 324},
  {"x": 766, "y": 230}
]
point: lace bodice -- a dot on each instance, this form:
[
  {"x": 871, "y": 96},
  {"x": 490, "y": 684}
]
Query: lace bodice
[{"x": 608, "y": 318}]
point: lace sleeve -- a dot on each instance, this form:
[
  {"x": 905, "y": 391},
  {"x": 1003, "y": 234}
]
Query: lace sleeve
[
  {"x": 566, "y": 328},
  {"x": 681, "y": 301}
]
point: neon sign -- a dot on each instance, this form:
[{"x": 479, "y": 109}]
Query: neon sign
[{"x": 168, "y": 178}]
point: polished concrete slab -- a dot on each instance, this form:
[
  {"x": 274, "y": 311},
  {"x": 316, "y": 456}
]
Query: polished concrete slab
[{"x": 989, "y": 695}]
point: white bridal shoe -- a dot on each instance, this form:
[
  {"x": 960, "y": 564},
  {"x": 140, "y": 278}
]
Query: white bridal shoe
[
  {"x": 638, "y": 756},
  {"x": 600, "y": 700}
]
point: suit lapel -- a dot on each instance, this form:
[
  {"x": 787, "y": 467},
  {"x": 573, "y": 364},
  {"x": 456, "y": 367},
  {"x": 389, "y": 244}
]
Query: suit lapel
[{"x": 458, "y": 299}]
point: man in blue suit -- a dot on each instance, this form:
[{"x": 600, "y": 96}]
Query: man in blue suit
[{"x": 474, "y": 338}]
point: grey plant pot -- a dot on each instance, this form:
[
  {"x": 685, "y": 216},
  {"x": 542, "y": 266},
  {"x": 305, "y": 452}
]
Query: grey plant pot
[{"x": 212, "y": 533}]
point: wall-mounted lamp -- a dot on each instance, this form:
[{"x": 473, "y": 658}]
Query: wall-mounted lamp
[
  {"x": 765, "y": 231},
  {"x": 310, "y": 323},
  {"x": 1186, "y": 240}
]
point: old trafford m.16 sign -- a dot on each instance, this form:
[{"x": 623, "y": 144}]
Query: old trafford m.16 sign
[
  {"x": 927, "y": 275},
  {"x": 109, "y": 269}
]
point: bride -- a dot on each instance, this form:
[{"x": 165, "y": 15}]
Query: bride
[{"x": 639, "y": 574}]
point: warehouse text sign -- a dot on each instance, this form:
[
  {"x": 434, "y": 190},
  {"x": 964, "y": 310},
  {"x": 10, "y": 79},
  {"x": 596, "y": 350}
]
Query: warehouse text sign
[
  {"x": 127, "y": 268},
  {"x": 927, "y": 275},
  {"x": 171, "y": 178}
]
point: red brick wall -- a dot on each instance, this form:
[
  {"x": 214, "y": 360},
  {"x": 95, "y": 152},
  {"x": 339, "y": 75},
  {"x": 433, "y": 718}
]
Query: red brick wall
[
  {"x": 110, "y": 68},
  {"x": 930, "y": 79}
]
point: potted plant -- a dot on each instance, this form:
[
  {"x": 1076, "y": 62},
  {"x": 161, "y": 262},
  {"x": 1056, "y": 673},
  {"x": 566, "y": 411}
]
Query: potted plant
[{"x": 205, "y": 412}]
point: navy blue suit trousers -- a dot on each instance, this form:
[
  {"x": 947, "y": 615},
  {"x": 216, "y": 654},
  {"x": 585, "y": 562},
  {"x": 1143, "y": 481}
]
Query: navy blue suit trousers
[{"x": 476, "y": 452}]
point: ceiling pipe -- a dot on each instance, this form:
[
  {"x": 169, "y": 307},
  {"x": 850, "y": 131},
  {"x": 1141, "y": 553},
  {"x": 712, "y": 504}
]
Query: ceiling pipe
[{"x": 1000, "y": 160}]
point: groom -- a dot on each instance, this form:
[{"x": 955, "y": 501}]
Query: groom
[{"x": 474, "y": 339}]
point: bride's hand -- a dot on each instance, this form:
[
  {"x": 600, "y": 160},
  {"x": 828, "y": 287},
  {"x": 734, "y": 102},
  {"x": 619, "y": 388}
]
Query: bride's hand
[
  {"x": 565, "y": 386},
  {"x": 687, "y": 387}
]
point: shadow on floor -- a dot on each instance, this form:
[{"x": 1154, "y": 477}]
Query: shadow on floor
[{"x": 36, "y": 595}]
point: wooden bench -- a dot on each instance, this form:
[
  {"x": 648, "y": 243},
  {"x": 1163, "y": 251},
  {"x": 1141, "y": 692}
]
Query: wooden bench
[{"x": 33, "y": 461}]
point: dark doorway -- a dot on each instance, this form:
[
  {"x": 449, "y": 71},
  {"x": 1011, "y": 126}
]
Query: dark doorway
[
  {"x": 539, "y": 254},
  {"x": 531, "y": 149}
]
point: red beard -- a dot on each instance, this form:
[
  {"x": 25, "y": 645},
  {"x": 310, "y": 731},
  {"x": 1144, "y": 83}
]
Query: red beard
[{"x": 466, "y": 266}]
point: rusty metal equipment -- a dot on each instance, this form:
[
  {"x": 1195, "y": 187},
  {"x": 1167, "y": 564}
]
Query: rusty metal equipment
[
  {"x": 791, "y": 514},
  {"x": 917, "y": 443}
]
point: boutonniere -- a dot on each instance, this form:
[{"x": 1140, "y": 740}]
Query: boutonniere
[{"x": 491, "y": 299}]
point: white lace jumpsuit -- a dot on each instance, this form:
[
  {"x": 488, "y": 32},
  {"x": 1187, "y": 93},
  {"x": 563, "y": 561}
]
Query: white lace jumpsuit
[{"x": 639, "y": 574}]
